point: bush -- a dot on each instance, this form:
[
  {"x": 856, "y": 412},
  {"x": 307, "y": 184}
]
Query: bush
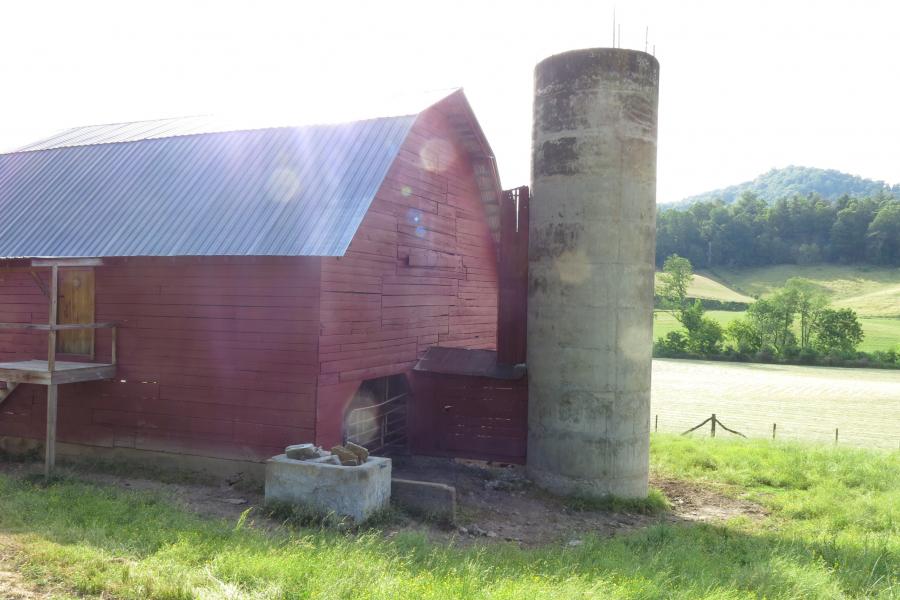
[{"x": 674, "y": 344}]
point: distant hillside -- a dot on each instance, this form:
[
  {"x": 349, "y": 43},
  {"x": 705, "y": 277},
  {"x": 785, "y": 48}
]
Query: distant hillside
[{"x": 787, "y": 182}]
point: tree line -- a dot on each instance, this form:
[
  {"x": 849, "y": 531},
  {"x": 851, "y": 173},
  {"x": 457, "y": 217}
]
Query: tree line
[
  {"x": 793, "y": 324},
  {"x": 801, "y": 230}
]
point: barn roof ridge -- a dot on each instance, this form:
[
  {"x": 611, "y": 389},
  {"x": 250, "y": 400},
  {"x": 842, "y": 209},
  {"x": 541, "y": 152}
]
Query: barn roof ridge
[{"x": 277, "y": 191}]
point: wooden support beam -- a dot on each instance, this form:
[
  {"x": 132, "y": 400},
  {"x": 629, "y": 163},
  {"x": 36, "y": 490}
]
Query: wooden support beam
[
  {"x": 54, "y": 306},
  {"x": 50, "y": 455},
  {"x": 67, "y": 262}
]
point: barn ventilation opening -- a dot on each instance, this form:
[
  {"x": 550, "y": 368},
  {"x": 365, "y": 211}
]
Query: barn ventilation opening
[{"x": 376, "y": 417}]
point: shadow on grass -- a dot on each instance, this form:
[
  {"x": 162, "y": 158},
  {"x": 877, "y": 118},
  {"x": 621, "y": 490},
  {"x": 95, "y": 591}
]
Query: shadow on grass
[{"x": 138, "y": 545}]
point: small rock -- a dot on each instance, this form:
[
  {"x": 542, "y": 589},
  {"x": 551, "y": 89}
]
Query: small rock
[
  {"x": 362, "y": 453},
  {"x": 301, "y": 451},
  {"x": 575, "y": 543},
  {"x": 234, "y": 501},
  {"x": 348, "y": 458},
  {"x": 491, "y": 534},
  {"x": 476, "y": 530},
  {"x": 463, "y": 530}
]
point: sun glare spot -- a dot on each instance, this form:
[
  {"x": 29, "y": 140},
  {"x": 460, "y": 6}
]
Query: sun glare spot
[
  {"x": 283, "y": 185},
  {"x": 420, "y": 231},
  {"x": 572, "y": 267},
  {"x": 414, "y": 216},
  {"x": 405, "y": 191},
  {"x": 436, "y": 155}
]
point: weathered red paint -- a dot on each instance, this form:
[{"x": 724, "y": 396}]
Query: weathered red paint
[
  {"x": 420, "y": 271},
  {"x": 238, "y": 357},
  {"x": 216, "y": 356},
  {"x": 513, "y": 272},
  {"x": 469, "y": 417}
]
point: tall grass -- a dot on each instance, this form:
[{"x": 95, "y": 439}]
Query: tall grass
[{"x": 832, "y": 533}]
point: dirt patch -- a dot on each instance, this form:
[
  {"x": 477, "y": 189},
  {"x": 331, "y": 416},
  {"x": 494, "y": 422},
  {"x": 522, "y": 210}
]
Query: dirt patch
[
  {"x": 499, "y": 503},
  {"x": 495, "y": 503},
  {"x": 12, "y": 585},
  {"x": 695, "y": 502}
]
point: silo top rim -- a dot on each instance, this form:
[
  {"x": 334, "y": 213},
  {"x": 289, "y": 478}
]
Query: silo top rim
[{"x": 598, "y": 53}]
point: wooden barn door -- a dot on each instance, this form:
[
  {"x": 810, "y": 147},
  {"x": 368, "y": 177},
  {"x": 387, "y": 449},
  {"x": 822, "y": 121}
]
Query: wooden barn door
[{"x": 76, "y": 305}]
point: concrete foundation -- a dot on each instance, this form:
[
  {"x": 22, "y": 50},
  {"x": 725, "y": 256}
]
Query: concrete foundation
[
  {"x": 591, "y": 264},
  {"x": 426, "y": 498},
  {"x": 354, "y": 492}
]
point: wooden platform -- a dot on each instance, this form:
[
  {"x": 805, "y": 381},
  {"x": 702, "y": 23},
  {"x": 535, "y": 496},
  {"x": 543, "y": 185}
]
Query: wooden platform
[{"x": 36, "y": 371}]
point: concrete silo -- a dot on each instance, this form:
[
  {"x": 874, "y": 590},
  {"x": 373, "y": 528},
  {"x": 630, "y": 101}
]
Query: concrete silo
[{"x": 591, "y": 256}]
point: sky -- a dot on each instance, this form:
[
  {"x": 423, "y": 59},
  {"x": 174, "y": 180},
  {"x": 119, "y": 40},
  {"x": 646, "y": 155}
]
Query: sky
[{"x": 744, "y": 86}]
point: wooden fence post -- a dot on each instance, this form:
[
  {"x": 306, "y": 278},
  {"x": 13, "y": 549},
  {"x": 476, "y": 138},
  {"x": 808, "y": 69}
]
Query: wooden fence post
[
  {"x": 774, "y": 426},
  {"x": 656, "y": 424},
  {"x": 713, "y": 426}
]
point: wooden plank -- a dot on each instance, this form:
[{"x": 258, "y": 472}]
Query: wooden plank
[
  {"x": 67, "y": 262},
  {"x": 50, "y": 447},
  {"x": 54, "y": 299}
]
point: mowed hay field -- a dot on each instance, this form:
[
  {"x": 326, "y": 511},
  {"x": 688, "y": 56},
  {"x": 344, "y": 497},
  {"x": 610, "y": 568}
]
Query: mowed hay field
[
  {"x": 807, "y": 403},
  {"x": 873, "y": 292}
]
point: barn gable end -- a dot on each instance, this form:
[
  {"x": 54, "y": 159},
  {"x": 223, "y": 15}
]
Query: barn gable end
[{"x": 420, "y": 271}]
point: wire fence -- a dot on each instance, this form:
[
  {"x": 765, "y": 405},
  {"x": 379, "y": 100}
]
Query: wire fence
[{"x": 714, "y": 423}]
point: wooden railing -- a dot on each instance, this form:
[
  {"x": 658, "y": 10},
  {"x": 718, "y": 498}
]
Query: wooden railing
[{"x": 51, "y": 344}]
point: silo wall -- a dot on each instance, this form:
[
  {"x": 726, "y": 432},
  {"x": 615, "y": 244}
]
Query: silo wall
[{"x": 591, "y": 265}]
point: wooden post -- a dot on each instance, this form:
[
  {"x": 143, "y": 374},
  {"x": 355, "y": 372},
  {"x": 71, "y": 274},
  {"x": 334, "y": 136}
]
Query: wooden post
[
  {"x": 774, "y": 426},
  {"x": 54, "y": 306},
  {"x": 835, "y": 436},
  {"x": 656, "y": 424},
  {"x": 50, "y": 456},
  {"x": 713, "y": 425}
]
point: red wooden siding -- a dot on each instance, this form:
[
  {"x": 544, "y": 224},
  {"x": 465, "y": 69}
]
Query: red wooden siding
[
  {"x": 420, "y": 271},
  {"x": 217, "y": 357},
  {"x": 513, "y": 295},
  {"x": 469, "y": 417}
]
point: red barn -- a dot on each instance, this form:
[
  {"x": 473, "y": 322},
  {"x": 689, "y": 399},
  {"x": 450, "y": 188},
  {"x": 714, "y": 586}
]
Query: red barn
[{"x": 248, "y": 289}]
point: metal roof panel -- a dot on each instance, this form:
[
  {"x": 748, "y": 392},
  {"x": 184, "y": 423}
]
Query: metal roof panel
[{"x": 125, "y": 191}]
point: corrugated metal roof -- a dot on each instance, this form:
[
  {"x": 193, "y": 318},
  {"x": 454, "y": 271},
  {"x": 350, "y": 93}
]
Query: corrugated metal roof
[{"x": 299, "y": 191}]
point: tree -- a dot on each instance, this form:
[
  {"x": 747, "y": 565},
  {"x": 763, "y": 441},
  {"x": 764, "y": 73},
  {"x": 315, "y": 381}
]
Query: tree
[
  {"x": 809, "y": 301},
  {"x": 706, "y": 337},
  {"x": 676, "y": 277},
  {"x": 883, "y": 237},
  {"x": 837, "y": 331},
  {"x": 772, "y": 319},
  {"x": 745, "y": 336}
]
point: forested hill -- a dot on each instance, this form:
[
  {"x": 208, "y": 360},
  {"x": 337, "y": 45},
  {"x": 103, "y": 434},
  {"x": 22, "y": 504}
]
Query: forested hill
[{"x": 791, "y": 181}]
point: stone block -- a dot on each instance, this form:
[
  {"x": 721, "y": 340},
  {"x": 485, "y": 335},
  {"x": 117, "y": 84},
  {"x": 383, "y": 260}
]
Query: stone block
[
  {"x": 424, "y": 497},
  {"x": 354, "y": 492}
]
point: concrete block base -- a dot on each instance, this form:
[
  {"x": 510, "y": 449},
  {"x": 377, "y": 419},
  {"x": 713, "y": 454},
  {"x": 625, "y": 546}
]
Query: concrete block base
[
  {"x": 354, "y": 492},
  {"x": 430, "y": 499}
]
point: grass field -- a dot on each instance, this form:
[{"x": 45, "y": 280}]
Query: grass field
[
  {"x": 874, "y": 293},
  {"x": 870, "y": 291},
  {"x": 806, "y": 402},
  {"x": 704, "y": 286},
  {"x": 831, "y": 532},
  {"x": 880, "y": 333}
]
